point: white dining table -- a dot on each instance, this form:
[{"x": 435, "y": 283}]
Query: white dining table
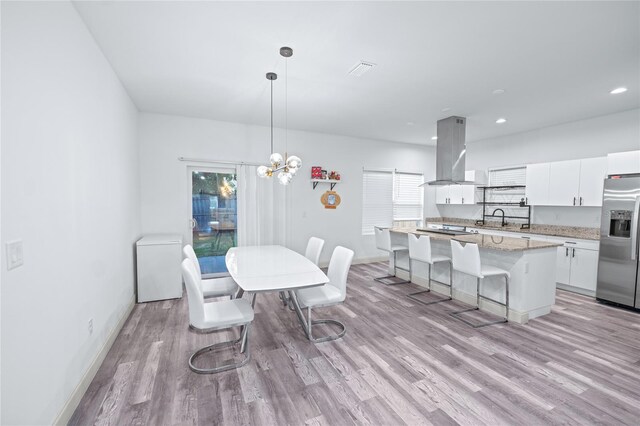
[{"x": 259, "y": 269}]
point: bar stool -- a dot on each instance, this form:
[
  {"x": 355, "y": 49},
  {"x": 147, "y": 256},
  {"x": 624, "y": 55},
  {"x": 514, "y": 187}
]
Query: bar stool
[
  {"x": 420, "y": 251},
  {"x": 467, "y": 260},
  {"x": 383, "y": 242}
]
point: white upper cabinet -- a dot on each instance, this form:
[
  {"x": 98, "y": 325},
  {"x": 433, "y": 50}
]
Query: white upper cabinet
[
  {"x": 564, "y": 182},
  {"x": 460, "y": 194},
  {"x": 622, "y": 163},
  {"x": 442, "y": 194},
  {"x": 537, "y": 190},
  {"x": 455, "y": 194},
  {"x": 593, "y": 172}
]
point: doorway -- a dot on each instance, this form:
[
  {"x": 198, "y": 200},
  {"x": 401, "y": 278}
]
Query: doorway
[{"x": 213, "y": 216}]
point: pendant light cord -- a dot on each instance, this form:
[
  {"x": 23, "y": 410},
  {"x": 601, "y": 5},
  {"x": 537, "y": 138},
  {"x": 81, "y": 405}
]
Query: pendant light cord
[
  {"x": 286, "y": 105},
  {"x": 271, "y": 116}
]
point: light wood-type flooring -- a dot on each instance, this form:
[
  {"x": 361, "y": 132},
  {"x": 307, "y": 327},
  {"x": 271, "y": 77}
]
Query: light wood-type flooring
[{"x": 399, "y": 363}]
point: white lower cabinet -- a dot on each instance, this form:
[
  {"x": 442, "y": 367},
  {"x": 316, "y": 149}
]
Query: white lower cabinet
[
  {"x": 577, "y": 265},
  {"x": 576, "y": 261},
  {"x": 563, "y": 265}
]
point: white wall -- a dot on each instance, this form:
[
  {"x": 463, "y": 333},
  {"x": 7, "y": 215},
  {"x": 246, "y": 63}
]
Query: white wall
[
  {"x": 594, "y": 137},
  {"x": 166, "y": 201},
  {"x": 70, "y": 191}
]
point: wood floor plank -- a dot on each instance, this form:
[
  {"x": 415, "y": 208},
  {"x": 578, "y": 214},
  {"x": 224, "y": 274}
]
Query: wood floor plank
[{"x": 399, "y": 363}]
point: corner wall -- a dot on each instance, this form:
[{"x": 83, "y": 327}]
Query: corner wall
[{"x": 70, "y": 192}]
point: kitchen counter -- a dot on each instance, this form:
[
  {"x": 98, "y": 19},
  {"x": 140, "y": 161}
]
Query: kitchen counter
[
  {"x": 493, "y": 242},
  {"x": 532, "y": 265},
  {"x": 578, "y": 232}
]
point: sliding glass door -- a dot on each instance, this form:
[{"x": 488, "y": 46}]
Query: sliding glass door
[{"x": 213, "y": 216}]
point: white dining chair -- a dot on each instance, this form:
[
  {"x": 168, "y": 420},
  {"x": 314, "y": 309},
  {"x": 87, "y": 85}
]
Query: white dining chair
[
  {"x": 211, "y": 287},
  {"x": 466, "y": 259},
  {"x": 383, "y": 242},
  {"x": 314, "y": 248},
  {"x": 420, "y": 251},
  {"x": 329, "y": 294},
  {"x": 213, "y": 316}
]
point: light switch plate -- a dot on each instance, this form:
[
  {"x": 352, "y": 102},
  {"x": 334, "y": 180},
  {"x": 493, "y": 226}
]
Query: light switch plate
[{"x": 14, "y": 254}]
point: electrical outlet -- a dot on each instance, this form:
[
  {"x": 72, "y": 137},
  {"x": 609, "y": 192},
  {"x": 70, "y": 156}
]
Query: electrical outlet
[
  {"x": 14, "y": 254},
  {"x": 90, "y": 326}
]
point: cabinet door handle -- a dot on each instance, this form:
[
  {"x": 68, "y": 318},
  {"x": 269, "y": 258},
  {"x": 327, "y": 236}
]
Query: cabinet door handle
[
  {"x": 580, "y": 200},
  {"x": 574, "y": 201},
  {"x": 566, "y": 251},
  {"x": 573, "y": 254},
  {"x": 462, "y": 200}
]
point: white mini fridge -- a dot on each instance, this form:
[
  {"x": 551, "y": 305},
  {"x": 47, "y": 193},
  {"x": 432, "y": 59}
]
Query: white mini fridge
[{"x": 159, "y": 273}]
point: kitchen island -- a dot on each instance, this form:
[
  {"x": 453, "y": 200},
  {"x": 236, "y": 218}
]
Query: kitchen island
[{"x": 532, "y": 265}]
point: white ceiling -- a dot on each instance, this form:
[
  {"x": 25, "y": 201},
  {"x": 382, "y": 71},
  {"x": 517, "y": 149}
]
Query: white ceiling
[{"x": 557, "y": 62}]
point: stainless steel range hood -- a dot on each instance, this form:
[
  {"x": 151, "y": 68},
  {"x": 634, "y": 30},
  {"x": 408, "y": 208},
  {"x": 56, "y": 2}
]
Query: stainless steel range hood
[{"x": 450, "y": 152}]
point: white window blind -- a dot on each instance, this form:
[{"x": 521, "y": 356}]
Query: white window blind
[
  {"x": 377, "y": 195},
  {"x": 408, "y": 196},
  {"x": 508, "y": 176},
  {"x": 389, "y": 196}
]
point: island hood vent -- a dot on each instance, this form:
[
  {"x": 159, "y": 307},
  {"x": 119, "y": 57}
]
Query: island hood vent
[{"x": 450, "y": 152}]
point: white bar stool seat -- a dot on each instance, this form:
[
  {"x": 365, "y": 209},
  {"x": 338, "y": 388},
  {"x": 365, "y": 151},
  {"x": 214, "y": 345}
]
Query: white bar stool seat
[
  {"x": 420, "y": 251},
  {"x": 467, "y": 260},
  {"x": 383, "y": 242}
]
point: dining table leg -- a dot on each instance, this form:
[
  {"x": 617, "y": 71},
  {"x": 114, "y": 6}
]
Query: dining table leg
[{"x": 294, "y": 301}]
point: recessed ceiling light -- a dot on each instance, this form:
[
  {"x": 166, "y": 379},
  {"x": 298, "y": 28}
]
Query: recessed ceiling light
[
  {"x": 361, "y": 68},
  {"x": 498, "y": 92},
  {"x": 618, "y": 90},
  {"x": 446, "y": 109},
  {"x": 501, "y": 120},
  {"x": 434, "y": 138}
]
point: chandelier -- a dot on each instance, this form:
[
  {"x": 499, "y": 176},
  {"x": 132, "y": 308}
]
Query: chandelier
[{"x": 286, "y": 166}]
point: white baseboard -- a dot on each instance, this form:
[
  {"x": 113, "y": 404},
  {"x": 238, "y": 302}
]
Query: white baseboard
[
  {"x": 578, "y": 290},
  {"x": 76, "y": 396}
]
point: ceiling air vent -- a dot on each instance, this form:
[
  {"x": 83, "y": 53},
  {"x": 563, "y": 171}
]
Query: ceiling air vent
[{"x": 361, "y": 68}]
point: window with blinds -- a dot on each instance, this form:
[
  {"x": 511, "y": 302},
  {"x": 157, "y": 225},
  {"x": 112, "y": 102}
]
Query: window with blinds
[
  {"x": 390, "y": 196},
  {"x": 508, "y": 176},
  {"x": 408, "y": 196},
  {"x": 377, "y": 193}
]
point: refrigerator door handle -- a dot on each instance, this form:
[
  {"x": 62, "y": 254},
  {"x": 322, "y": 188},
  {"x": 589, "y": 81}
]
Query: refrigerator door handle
[{"x": 634, "y": 229}]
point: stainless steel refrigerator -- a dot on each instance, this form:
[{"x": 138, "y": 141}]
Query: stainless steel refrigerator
[{"x": 619, "y": 238}]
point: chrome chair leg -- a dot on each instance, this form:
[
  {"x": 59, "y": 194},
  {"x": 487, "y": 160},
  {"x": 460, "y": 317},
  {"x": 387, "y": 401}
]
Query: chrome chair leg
[
  {"x": 412, "y": 296},
  {"x": 478, "y": 297},
  {"x": 244, "y": 338},
  {"x": 311, "y": 322},
  {"x": 395, "y": 269}
]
